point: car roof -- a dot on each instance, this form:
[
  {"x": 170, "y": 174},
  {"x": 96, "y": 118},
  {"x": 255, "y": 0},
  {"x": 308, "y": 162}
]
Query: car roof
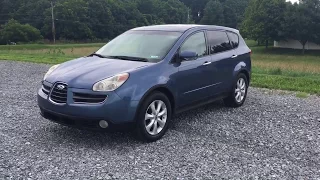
[{"x": 182, "y": 27}]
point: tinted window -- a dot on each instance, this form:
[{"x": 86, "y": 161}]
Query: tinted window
[
  {"x": 218, "y": 42},
  {"x": 195, "y": 43},
  {"x": 234, "y": 39}
]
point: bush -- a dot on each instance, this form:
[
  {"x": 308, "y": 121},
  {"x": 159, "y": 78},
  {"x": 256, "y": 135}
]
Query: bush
[{"x": 13, "y": 31}]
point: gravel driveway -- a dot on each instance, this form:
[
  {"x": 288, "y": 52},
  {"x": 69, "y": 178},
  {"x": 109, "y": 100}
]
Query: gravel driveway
[{"x": 273, "y": 136}]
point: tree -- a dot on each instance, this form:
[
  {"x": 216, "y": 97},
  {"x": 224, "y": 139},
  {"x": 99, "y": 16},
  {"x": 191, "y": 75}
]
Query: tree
[
  {"x": 197, "y": 8},
  {"x": 263, "y": 19},
  {"x": 126, "y": 16},
  {"x": 213, "y": 13},
  {"x": 234, "y": 12},
  {"x": 13, "y": 31},
  {"x": 312, "y": 8},
  {"x": 105, "y": 19},
  {"x": 301, "y": 22},
  {"x": 229, "y": 16},
  {"x": 173, "y": 12},
  {"x": 71, "y": 20},
  {"x": 31, "y": 12},
  {"x": 100, "y": 19}
]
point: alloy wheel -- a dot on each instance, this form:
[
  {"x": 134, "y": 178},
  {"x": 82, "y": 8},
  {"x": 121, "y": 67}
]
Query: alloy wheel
[
  {"x": 240, "y": 91},
  {"x": 156, "y": 117}
]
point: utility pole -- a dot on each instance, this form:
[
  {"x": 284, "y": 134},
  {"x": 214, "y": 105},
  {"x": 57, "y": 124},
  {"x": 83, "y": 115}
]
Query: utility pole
[
  {"x": 53, "y": 25},
  {"x": 188, "y": 17}
]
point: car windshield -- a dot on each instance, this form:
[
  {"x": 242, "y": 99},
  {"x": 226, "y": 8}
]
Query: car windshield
[{"x": 151, "y": 46}]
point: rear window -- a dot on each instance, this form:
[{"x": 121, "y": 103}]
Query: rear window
[
  {"x": 234, "y": 39},
  {"x": 218, "y": 42}
]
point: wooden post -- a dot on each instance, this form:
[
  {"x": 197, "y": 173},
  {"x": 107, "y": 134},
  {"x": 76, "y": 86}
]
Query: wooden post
[{"x": 53, "y": 24}]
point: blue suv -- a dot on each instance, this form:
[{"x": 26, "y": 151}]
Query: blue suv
[{"x": 146, "y": 75}]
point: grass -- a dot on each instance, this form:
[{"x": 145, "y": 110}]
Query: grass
[
  {"x": 50, "y": 54},
  {"x": 285, "y": 69},
  {"x": 273, "y": 68},
  {"x": 48, "y": 46},
  {"x": 286, "y": 60},
  {"x": 302, "y": 84},
  {"x": 302, "y": 95}
]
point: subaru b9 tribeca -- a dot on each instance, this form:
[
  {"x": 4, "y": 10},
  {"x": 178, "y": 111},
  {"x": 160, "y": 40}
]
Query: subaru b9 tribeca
[{"x": 146, "y": 75}]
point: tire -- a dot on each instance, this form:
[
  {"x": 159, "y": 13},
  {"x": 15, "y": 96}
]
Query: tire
[
  {"x": 148, "y": 116},
  {"x": 235, "y": 99}
]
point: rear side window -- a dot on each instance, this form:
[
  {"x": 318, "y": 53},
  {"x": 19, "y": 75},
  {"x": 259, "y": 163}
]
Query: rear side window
[
  {"x": 195, "y": 43},
  {"x": 234, "y": 39},
  {"x": 218, "y": 42}
]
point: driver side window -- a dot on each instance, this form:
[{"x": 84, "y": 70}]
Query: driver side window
[{"x": 195, "y": 43}]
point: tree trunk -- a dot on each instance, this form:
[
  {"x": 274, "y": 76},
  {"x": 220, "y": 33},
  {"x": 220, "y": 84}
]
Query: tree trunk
[
  {"x": 267, "y": 44},
  {"x": 303, "y": 43}
]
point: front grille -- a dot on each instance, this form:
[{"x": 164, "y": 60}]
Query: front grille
[
  {"x": 88, "y": 98},
  {"x": 59, "y": 94},
  {"x": 46, "y": 89}
]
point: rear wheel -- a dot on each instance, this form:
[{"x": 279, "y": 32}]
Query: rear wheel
[
  {"x": 154, "y": 117},
  {"x": 239, "y": 92}
]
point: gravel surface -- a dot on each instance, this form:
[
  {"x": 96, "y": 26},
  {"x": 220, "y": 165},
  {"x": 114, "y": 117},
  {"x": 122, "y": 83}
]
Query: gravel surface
[{"x": 275, "y": 135}]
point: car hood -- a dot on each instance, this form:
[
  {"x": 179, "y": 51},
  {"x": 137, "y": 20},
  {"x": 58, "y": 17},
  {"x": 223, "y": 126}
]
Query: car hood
[{"x": 84, "y": 72}]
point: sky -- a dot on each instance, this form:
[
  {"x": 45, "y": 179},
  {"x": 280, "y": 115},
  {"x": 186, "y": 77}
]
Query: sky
[{"x": 293, "y": 1}]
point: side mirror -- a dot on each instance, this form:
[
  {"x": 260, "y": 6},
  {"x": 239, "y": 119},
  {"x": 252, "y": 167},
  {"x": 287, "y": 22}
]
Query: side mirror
[{"x": 186, "y": 55}]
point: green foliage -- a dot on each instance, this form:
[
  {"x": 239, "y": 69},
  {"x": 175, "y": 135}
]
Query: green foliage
[
  {"x": 301, "y": 22},
  {"x": 172, "y": 11},
  {"x": 213, "y": 13},
  {"x": 13, "y": 31},
  {"x": 286, "y": 83},
  {"x": 197, "y": 7},
  {"x": 225, "y": 13},
  {"x": 263, "y": 19},
  {"x": 92, "y": 19},
  {"x": 236, "y": 8},
  {"x": 267, "y": 20}
]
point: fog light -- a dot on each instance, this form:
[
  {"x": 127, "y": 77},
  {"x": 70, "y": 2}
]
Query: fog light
[{"x": 103, "y": 124}]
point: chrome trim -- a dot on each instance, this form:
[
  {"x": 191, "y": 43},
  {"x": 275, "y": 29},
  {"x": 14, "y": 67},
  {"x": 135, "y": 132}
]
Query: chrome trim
[
  {"x": 80, "y": 103},
  {"x": 234, "y": 56},
  {"x": 202, "y": 88},
  {"x": 206, "y": 63},
  {"x": 52, "y": 87},
  {"x": 44, "y": 89}
]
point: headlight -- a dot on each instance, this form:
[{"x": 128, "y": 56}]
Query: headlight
[
  {"x": 112, "y": 83},
  {"x": 50, "y": 71}
]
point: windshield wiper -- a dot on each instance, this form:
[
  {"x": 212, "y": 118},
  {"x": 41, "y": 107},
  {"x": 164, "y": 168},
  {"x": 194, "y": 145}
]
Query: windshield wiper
[
  {"x": 99, "y": 55},
  {"x": 130, "y": 58}
]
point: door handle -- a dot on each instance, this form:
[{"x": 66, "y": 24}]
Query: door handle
[
  {"x": 234, "y": 56},
  {"x": 206, "y": 63}
]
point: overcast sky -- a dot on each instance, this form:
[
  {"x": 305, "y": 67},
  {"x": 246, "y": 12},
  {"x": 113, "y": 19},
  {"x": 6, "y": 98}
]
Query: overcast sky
[{"x": 293, "y": 1}]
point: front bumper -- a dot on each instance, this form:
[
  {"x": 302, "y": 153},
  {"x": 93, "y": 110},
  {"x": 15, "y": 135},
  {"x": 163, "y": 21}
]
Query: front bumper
[
  {"x": 114, "y": 109},
  {"x": 71, "y": 121}
]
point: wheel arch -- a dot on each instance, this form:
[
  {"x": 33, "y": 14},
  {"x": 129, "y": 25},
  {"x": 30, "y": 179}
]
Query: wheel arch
[
  {"x": 159, "y": 88},
  {"x": 243, "y": 68},
  {"x": 246, "y": 73}
]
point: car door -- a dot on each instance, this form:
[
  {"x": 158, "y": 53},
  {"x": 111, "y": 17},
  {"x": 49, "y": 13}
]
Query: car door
[
  {"x": 193, "y": 76},
  {"x": 221, "y": 54}
]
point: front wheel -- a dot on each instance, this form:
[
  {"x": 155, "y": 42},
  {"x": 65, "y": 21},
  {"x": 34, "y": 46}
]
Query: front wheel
[
  {"x": 154, "y": 117},
  {"x": 239, "y": 92}
]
